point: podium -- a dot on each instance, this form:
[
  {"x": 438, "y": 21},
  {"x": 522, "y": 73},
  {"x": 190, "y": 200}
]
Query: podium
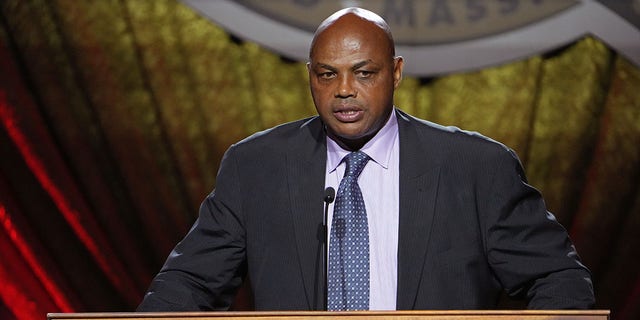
[{"x": 347, "y": 315}]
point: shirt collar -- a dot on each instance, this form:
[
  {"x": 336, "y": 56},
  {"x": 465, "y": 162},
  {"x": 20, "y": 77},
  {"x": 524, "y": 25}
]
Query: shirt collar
[{"x": 379, "y": 148}]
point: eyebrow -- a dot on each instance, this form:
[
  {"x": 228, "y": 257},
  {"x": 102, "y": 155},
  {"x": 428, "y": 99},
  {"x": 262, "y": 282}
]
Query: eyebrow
[
  {"x": 361, "y": 64},
  {"x": 326, "y": 66},
  {"x": 354, "y": 67}
]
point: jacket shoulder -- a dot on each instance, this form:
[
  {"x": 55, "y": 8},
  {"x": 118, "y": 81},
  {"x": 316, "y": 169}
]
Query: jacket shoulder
[
  {"x": 280, "y": 135},
  {"x": 450, "y": 137}
]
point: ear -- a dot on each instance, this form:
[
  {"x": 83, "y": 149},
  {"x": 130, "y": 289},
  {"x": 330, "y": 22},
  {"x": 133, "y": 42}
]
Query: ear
[
  {"x": 309, "y": 70},
  {"x": 398, "y": 64}
]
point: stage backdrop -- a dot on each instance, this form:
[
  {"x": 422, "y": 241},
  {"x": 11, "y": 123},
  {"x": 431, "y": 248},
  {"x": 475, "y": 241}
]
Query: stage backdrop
[{"x": 114, "y": 115}]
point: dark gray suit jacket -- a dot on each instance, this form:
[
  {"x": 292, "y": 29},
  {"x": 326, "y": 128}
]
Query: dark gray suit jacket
[{"x": 470, "y": 228}]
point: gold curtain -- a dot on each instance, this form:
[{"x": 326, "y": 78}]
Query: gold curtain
[{"x": 115, "y": 114}]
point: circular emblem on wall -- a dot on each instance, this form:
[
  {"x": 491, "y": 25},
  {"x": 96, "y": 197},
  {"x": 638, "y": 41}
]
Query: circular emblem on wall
[
  {"x": 419, "y": 22},
  {"x": 440, "y": 36}
]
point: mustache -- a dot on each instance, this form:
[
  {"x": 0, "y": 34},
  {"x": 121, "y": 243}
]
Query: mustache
[{"x": 346, "y": 104}]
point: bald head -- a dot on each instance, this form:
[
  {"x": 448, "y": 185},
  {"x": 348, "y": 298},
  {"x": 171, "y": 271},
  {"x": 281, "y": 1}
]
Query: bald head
[
  {"x": 351, "y": 22},
  {"x": 353, "y": 73}
]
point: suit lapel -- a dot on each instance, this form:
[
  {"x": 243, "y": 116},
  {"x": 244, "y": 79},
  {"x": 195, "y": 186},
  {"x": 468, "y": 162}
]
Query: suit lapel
[
  {"x": 306, "y": 165},
  {"x": 419, "y": 174}
]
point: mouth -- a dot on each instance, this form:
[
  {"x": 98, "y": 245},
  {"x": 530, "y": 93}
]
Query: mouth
[{"x": 348, "y": 114}]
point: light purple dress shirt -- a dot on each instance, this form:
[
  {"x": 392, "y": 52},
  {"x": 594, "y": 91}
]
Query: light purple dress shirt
[{"x": 379, "y": 183}]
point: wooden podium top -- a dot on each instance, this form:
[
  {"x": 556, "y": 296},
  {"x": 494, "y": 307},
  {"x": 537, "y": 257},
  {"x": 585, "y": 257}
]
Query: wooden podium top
[{"x": 355, "y": 315}]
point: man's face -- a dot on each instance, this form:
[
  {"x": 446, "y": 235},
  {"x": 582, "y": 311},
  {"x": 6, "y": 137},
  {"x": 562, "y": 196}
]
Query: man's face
[{"x": 353, "y": 76}]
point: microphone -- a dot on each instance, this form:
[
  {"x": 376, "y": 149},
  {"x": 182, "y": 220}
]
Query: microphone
[{"x": 329, "y": 196}]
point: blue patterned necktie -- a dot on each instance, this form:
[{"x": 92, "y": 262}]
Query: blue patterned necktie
[{"x": 348, "y": 283}]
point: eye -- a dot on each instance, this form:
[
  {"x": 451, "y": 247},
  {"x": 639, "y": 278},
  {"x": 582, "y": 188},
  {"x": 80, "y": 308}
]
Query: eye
[
  {"x": 364, "y": 74},
  {"x": 326, "y": 75}
]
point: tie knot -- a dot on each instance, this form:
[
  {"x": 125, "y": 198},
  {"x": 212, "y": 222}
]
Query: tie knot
[{"x": 355, "y": 162}]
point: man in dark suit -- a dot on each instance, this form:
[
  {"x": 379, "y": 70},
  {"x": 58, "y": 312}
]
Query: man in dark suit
[{"x": 451, "y": 222}]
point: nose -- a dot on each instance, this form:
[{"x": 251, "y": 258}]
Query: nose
[{"x": 346, "y": 88}]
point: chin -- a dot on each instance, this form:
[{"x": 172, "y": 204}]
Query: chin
[{"x": 350, "y": 137}]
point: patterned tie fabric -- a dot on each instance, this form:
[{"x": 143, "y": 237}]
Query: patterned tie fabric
[{"x": 348, "y": 283}]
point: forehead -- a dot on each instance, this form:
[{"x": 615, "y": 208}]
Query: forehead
[{"x": 351, "y": 36}]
